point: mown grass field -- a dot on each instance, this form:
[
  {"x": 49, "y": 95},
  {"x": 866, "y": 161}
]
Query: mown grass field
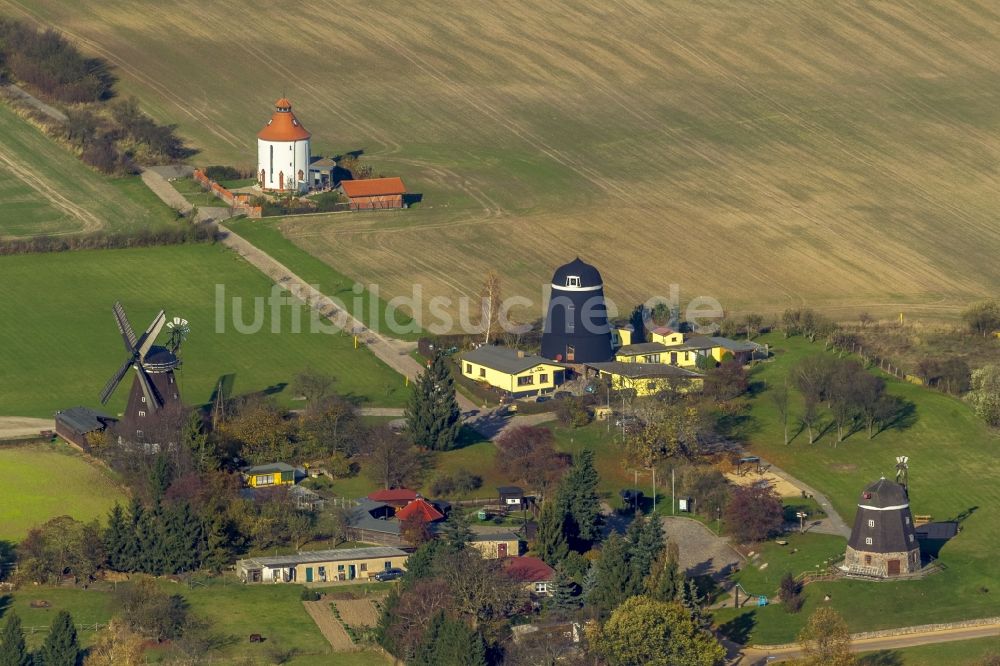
[
  {"x": 951, "y": 476},
  {"x": 767, "y": 154},
  {"x": 61, "y": 344},
  {"x": 49, "y": 480},
  {"x": 232, "y": 611},
  {"x": 958, "y": 653},
  {"x": 45, "y": 189}
]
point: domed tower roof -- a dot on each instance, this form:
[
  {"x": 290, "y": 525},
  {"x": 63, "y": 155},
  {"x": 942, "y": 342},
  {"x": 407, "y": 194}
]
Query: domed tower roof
[
  {"x": 884, "y": 494},
  {"x": 283, "y": 125},
  {"x": 577, "y": 275}
]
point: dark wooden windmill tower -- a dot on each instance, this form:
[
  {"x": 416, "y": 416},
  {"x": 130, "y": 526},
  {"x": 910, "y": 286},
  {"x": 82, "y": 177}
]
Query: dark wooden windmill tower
[
  {"x": 883, "y": 542},
  {"x": 576, "y": 324},
  {"x": 155, "y": 396}
]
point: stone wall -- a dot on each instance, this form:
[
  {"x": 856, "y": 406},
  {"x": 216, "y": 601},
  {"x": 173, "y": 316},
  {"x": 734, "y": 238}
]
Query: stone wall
[{"x": 855, "y": 562}]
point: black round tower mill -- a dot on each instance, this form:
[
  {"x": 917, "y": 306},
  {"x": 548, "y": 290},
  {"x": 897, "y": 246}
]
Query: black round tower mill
[
  {"x": 883, "y": 542},
  {"x": 576, "y": 324}
]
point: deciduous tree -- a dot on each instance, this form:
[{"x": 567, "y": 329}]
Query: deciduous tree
[
  {"x": 983, "y": 318},
  {"x": 826, "y": 640},
  {"x": 655, "y": 633},
  {"x": 779, "y": 398},
  {"x": 116, "y": 645},
  {"x": 392, "y": 461},
  {"x": 754, "y": 513},
  {"x": 491, "y": 301},
  {"x": 985, "y": 393}
]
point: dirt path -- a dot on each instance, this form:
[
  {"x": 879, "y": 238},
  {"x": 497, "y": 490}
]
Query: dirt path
[
  {"x": 16, "y": 427},
  {"x": 764, "y": 655},
  {"x": 24, "y": 96},
  {"x": 329, "y": 626},
  {"x": 833, "y": 523}
]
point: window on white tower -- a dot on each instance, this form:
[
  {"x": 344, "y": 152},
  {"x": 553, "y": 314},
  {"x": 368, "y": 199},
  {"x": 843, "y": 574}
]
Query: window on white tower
[{"x": 271, "y": 170}]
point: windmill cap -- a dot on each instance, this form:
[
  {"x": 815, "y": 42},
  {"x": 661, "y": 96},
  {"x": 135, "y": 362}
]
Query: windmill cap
[
  {"x": 884, "y": 493},
  {"x": 588, "y": 274}
]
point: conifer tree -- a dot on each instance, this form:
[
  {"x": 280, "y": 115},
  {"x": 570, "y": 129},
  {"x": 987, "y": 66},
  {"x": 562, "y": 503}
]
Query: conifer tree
[
  {"x": 666, "y": 581},
  {"x": 61, "y": 646},
  {"x": 13, "y": 651},
  {"x": 579, "y": 501},
  {"x": 692, "y": 599},
  {"x": 564, "y": 598},
  {"x": 451, "y": 642},
  {"x": 645, "y": 543},
  {"x": 455, "y": 530},
  {"x": 131, "y": 553},
  {"x": 550, "y": 537},
  {"x": 612, "y": 574},
  {"x": 215, "y": 544},
  {"x": 432, "y": 416},
  {"x": 116, "y": 539}
]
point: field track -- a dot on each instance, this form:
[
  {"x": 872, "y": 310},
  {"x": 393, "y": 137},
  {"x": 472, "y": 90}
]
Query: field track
[{"x": 766, "y": 154}]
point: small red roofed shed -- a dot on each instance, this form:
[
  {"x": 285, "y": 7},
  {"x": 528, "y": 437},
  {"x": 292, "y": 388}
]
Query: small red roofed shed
[
  {"x": 374, "y": 193},
  {"x": 397, "y": 497},
  {"x": 419, "y": 509}
]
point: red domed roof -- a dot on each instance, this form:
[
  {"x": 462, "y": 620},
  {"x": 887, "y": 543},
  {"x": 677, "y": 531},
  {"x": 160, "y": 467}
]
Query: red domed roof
[{"x": 283, "y": 125}]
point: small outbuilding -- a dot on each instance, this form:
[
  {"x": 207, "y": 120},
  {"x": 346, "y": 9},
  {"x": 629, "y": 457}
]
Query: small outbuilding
[
  {"x": 373, "y": 193},
  {"x": 532, "y": 573},
  {"x": 271, "y": 474},
  {"x": 512, "y": 497},
  {"x": 496, "y": 545},
  {"x": 75, "y": 423}
]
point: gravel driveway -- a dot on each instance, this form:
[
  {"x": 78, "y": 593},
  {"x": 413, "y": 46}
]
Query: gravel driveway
[{"x": 701, "y": 551}]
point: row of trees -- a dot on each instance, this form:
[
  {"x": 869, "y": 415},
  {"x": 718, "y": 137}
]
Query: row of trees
[
  {"x": 854, "y": 398},
  {"x": 47, "y": 61},
  {"x": 106, "y": 240}
]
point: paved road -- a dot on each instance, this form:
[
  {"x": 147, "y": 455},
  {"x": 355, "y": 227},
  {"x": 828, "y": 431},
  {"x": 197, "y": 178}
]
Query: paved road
[
  {"x": 701, "y": 550},
  {"x": 17, "y": 427},
  {"x": 761, "y": 655}
]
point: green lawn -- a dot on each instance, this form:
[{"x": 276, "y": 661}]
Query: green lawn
[
  {"x": 48, "y": 480},
  {"x": 956, "y": 653},
  {"x": 266, "y": 235},
  {"x": 61, "y": 343},
  {"x": 949, "y": 450},
  {"x": 71, "y": 197},
  {"x": 232, "y": 610},
  {"x": 195, "y": 194}
]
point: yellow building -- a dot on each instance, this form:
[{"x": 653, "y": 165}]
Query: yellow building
[
  {"x": 513, "y": 371},
  {"x": 642, "y": 352},
  {"x": 648, "y": 378},
  {"x": 273, "y": 474},
  {"x": 666, "y": 336},
  {"x": 496, "y": 545},
  {"x": 622, "y": 336},
  {"x": 321, "y": 566}
]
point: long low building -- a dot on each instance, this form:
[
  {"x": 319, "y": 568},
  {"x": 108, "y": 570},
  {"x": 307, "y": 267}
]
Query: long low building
[
  {"x": 321, "y": 566},
  {"x": 648, "y": 378}
]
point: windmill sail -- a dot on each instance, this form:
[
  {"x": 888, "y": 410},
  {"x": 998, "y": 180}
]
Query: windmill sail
[
  {"x": 125, "y": 328},
  {"x": 153, "y": 398},
  {"x": 112, "y": 384},
  {"x": 149, "y": 337}
]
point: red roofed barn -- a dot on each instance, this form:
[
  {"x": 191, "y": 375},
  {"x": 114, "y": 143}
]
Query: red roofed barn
[
  {"x": 397, "y": 497},
  {"x": 374, "y": 193}
]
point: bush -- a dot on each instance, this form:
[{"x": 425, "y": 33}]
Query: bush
[
  {"x": 218, "y": 173},
  {"x": 462, "y": 481},
  {"x": 572, "y": 412},
  {"x": 310, "y": 595},
  {"x": 100, "y": 240},
  {"x": 790, "y": 593}
]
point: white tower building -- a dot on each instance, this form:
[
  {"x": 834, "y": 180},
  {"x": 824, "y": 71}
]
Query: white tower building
[{"x": 283, "y": 152}]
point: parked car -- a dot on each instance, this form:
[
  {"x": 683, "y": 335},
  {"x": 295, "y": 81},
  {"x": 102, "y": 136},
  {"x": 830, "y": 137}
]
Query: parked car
[
  {"x": 560, "y": 395},
  {"x": 388, "y": 574}
]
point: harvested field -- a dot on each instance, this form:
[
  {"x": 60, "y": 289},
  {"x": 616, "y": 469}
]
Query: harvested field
[
  {"x": 768, "y": 154},
  {"x": 358, "y": 613}
]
